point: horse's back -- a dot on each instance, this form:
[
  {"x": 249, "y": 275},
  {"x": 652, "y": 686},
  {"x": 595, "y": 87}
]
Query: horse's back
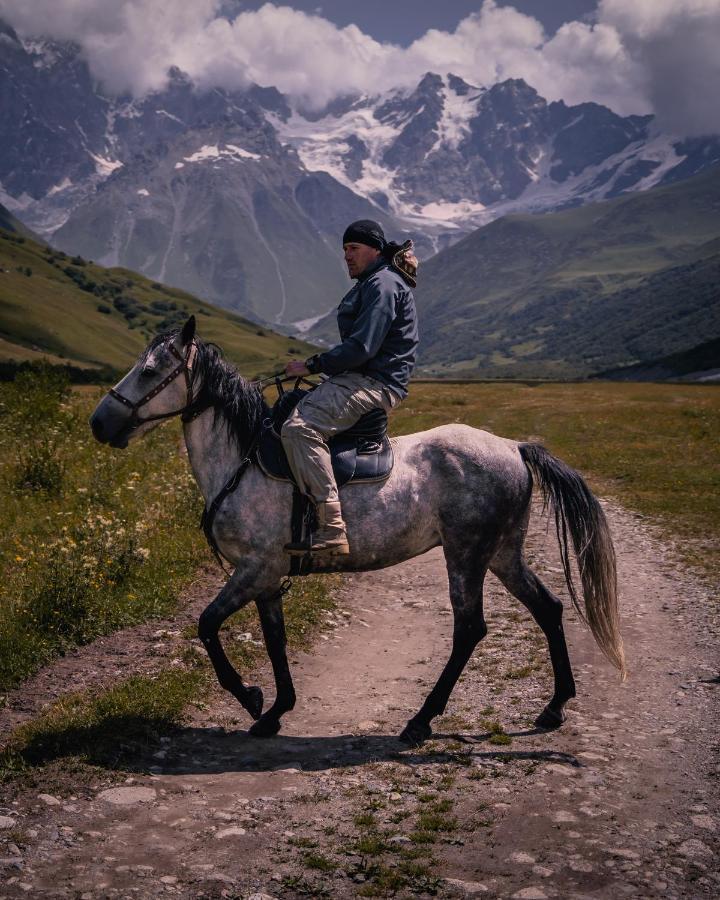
[{"x": 464, "y": 450}]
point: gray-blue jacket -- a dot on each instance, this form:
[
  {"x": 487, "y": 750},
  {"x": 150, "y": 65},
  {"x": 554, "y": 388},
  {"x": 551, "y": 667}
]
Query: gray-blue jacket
[{"x": 378, "y": 330}]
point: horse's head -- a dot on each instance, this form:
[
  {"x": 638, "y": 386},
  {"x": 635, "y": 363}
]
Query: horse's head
[{"x": 158, "y": 386}]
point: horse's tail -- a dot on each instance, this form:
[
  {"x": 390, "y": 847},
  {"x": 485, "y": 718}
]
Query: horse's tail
[{"x": 578, "y": 512}]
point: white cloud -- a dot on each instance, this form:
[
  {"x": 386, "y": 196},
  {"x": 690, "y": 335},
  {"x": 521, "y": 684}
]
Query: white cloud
[
  {"x": 649, "y": 55},
  {"x": 676, "y": 46},
  {"x": 578, "y": 63}
]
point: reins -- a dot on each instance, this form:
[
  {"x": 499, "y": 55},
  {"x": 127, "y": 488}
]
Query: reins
[{"x": 278, "y": 378}]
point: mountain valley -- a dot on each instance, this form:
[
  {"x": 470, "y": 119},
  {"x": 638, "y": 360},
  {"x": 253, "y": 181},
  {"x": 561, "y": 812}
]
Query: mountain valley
[{"x": 240, "y": 197}]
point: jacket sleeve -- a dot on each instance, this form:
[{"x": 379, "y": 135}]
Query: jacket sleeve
[{"x": 368, "y": 333}]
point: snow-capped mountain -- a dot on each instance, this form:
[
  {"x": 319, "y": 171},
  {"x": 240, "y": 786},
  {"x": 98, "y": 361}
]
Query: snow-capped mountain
[
  {"x": 193, "y": 189},
  {"x": 241, "y": 198},
  {"x": 449, "y": 157}
]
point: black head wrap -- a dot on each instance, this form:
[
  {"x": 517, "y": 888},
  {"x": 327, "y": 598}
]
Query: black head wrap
[{"x": 365, "y": 231}]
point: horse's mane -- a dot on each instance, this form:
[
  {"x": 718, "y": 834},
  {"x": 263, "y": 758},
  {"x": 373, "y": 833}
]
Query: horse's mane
[
  {"x": 230, "y": 395},
  {"x": 223, "y": 389}
]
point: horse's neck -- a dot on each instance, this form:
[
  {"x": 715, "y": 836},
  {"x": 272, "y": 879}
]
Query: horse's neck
[{"x": 213, "y": 456}]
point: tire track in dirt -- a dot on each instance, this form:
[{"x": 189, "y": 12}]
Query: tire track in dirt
[{"x": 621, "y": 802}]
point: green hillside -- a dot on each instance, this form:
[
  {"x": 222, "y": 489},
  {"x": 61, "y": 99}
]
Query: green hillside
[
  {"x": 575, "y": 292},
  {"x": 68, "y": 310}
]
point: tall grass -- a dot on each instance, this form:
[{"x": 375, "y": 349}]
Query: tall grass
[{"x": 90, "y": 538}]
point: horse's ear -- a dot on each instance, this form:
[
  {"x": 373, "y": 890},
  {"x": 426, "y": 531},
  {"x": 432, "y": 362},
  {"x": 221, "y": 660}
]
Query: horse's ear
[{"x": 188, "y": 331}]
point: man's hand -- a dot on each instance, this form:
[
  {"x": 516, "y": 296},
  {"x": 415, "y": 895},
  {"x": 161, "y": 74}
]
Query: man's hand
[{"x": 295, "y": 368}]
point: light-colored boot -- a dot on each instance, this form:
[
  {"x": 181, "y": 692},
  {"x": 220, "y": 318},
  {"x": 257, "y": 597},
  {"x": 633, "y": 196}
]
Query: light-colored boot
[{"x": 331, "y": 537}]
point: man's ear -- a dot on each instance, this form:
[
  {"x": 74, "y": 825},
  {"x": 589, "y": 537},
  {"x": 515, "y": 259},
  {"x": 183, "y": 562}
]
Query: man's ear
[{"x": 188, "y": 331}]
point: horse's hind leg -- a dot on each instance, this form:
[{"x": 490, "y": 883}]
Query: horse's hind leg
[
  {"x": 231, "y": 598},
  {"x": 547, "y": 610},
  {"x": 466, "y": 576},
  {"x": 273, "y": 626}
]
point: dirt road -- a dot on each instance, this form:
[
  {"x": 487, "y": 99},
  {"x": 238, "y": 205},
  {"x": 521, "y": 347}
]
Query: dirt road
[{"x": 621, "y": 802}]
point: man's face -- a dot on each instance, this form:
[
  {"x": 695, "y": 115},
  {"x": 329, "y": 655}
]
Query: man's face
[{"x": 358, "y": 257}]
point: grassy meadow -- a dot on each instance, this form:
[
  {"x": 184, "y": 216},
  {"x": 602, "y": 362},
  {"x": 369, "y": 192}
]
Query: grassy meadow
[{"x": 90, "y": 539}]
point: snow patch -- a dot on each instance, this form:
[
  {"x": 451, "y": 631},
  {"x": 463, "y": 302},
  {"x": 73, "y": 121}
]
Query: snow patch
[
  {"x": 452, "y": 215},
  {"x": 323, "y": 145},
  {"x": 212, "y": 151},
  {"x": 243, "y": 154},
  {"x": 105, "y": 167},
  {"x": 545, "y": 193},
  {"x": 164, "y": 112},
  {"x": 144, "y": 192},
  {"x": 179, "y": 165},
  {"x": 303, "y": 325},
  {"x": 206, "y": 152},
  {"x": 457, "y": 112},
  {"x": 61, "y": 186}
]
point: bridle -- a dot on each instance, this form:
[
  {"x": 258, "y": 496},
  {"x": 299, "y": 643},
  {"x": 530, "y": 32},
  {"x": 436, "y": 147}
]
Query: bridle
[{"x": 189, "y": 412}]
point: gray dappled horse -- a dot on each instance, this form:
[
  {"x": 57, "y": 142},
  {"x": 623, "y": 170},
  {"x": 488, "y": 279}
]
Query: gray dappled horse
[{"x": 454, "y": 486}]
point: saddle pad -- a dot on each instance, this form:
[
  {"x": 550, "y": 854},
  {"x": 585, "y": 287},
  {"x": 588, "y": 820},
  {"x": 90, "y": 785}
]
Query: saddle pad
[{"x": 349, "y": 462}]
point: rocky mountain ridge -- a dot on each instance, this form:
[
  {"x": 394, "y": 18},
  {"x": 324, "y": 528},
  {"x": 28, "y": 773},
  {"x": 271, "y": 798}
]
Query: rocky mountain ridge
[
  {"x": 192, "y": 189},
  {"x": 448, "y": 156},
  {"x": 240, "y": 198}
]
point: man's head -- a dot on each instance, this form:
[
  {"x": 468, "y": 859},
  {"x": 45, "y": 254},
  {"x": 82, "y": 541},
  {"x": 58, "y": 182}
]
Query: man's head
[{"x": 363, "y": 243}]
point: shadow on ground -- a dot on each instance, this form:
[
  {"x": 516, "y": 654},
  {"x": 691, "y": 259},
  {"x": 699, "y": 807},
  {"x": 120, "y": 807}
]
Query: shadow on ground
[{"x": 201, "y": 751}]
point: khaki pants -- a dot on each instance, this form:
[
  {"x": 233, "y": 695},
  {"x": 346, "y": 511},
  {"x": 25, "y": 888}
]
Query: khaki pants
[{"x": 333, "y": 406}]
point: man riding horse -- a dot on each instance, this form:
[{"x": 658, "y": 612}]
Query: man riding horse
[{"x": 370, "y": 368}]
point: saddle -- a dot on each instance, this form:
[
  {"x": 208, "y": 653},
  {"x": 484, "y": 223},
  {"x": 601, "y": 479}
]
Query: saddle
[{"x": 362, "y": 453}]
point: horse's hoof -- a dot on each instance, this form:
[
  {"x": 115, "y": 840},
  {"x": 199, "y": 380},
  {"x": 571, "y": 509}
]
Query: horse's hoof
[
  {"x": 550, "y": 719},
  {"x": 414, "y": 734},
  {"x": 253, "y": 701},
  {"x": 265, "y": 727}
]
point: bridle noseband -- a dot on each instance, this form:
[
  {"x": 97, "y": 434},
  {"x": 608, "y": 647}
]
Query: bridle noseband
[{"x": 188, "y": 412}]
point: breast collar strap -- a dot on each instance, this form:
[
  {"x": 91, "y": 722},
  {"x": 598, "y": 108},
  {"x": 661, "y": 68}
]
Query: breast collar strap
[{"x": 189, "y": 412}]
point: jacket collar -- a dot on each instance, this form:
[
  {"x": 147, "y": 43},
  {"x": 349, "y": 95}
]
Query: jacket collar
[{"x": 371, "y": 269}]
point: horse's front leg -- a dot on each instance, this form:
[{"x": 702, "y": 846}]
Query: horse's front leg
[
  {"x": 272, "y": 620},
  {"x": 237, "y": 592}
]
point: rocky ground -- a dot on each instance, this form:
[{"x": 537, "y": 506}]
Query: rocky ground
[{"x": 621, "y": 802}]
